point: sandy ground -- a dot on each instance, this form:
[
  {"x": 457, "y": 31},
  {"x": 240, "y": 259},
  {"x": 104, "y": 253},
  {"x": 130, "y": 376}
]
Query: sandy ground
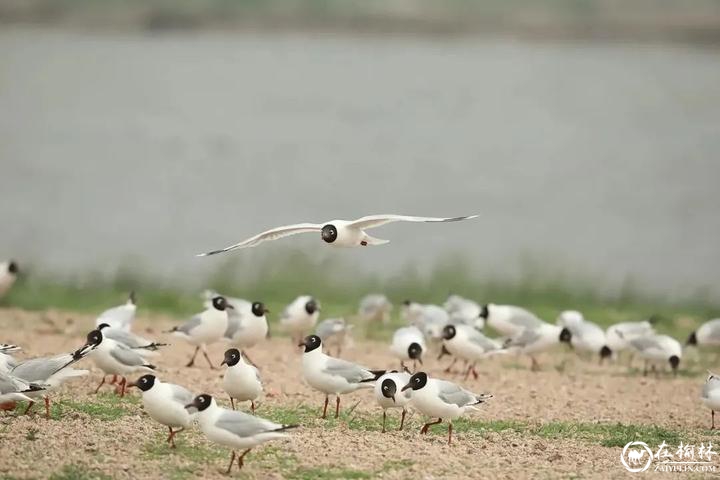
[{"x": 132, "y": 446}]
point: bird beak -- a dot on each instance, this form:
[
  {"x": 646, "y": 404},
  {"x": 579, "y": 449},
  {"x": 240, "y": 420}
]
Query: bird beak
[
  {"x": 393, "y": 398},
  {"x": 230, "y": 307},
  {"x": 301, "y": 344},
  {"x": 191, "y": 406},
  {"x": 223, "y": 362},
  {"x": 420, "y": 361},
  {"x": 405, "y": 387},
  {"x": 131, "y": 384}
]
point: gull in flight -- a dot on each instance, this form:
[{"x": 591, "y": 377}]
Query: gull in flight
[{"x": 339, "y": 233}]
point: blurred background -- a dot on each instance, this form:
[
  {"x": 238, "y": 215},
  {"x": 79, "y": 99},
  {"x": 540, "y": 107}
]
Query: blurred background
[{"x": 135, "y": 134}]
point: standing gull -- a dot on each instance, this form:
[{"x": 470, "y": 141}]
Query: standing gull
[
  {"x": 165, "y": 403},
  {"x": 234, "y": 429},
  {"x": 466, "y": 343},
  {"x": 707, "y": 334},
  {"x": 408, "y": 344},
  {"x": 388, "y": 394},
  {"x": 333, "y": 375},
  {"x": 537, "y": 339},
  {"x": 710, "y": 396},
  {"x": 241, "y": 380},
  {"x": 205, "y": 328},
  {"x": 120, "y": 317},
  {"x": 299, "y": 318},
  {"x": 247, "y": 324},
  {"x": 441, "y": 399},
  {"x": 509, "y": 320},
  {"x": 333, "y": 332}
]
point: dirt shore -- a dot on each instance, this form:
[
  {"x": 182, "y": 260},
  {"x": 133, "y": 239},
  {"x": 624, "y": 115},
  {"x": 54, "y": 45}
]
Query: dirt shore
[{"x": 513, "y": 436}]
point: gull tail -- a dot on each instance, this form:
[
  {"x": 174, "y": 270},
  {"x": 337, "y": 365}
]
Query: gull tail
[
  {"x": 372, "y": 241},
  {"x": 376, "y": 374},
  {"x": 285, "y": 427},
  {"x": 482, "y": 398},
  {"x": 153, "y": 346}
]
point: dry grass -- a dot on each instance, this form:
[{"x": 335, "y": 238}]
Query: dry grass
[{"x": 568, "y": 420}]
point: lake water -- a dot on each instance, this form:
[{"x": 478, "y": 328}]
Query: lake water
[{"x": 599, "y": 160}]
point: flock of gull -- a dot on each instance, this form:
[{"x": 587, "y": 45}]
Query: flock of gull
[{"x": 456, "y": 329}]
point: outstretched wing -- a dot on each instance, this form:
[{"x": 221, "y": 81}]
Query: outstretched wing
[
  {"x": 272, "y": 234},
  {"x": 372, "y": 221}
]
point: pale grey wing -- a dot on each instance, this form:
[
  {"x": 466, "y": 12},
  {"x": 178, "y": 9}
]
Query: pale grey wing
[
  {"x": 126, "y": 356},
  {"x": 454, "y": 394},
  {"x": 124, "y": 337},
  {"x": 482, "y": 341},
  {"x": 644, "y": 343},
  {"x": 40, "y": 369},
  {"x": 190, "y": 325},
  {"x": 523, "y": 318},
  {"x": 181, "y": 394},
  {"x": 272, "y": 234},
  {"x": 349, "y": 371},
  {"x": 372, "y": 221},
  {"x": 526, "y": 337},
  {"x": 11, "y": 384},
  {"x": 244, "y": 425}
]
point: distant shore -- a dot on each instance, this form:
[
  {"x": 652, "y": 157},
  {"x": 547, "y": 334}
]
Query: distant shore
[{"x": 644, "y": 20}]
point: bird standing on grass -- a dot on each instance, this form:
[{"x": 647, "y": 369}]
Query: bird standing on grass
[
  {"x": 241, "y": 380},
  {"x": 205, "y": 328},
  {"x": 388, "y": 394},
  {"x": 165, "y": 403},
  {"x": 710, "y": 396},
  {"x": 115, "y": 359},
  {"x": 234, "y": 429},
  {"x": 50, "y": 372},
  {"x": 441, "y": 399},
  {"x": 333, "y": 375}
]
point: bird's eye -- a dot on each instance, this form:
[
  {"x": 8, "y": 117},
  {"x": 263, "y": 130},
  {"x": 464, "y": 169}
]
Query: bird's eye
[{"x": 385, "y": 388}]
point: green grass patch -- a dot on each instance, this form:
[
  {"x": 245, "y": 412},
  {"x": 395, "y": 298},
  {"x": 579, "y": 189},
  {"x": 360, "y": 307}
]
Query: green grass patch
[
  {"x": 104, "y": 406},
  {"x": 78, "y": 472}
]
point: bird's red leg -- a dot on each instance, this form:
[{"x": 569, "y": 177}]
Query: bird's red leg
[
  {"x": 232, "y": 460},
  {"x": 123, "y": 382},
  {"x": 28, "y": 407},
  {"x": 232, "y": 402},
  {"x": 337, "y": 406},
  {"x": 114, "y": 380},
  {"x": 192, "y": 360},
  {"x": 324, "y": 415},
  {"x": 212, "y": 367},
  {"x": 384, "y": 416},
  {"x": 240, "y": 458},
  {"x": 47, "y": 407},
  {"x": 425, "y": 427},
  {"x": 101, "y": 384},
  {"x": 252, "y": 406}
]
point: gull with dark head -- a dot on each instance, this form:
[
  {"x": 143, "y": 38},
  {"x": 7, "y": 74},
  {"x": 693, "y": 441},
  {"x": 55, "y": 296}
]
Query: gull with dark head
[
  {"x": 241, "y": 380},
  {"x": 338, "y": 233},
  {"x": 205, "y": 328},
  {"x": 299, "y": 318},
  {"x": 234, "y": 429},
  {"x": 440, "y": 399},
  {"x": 333, "y": 376},
  {"x": 165, "y": 403},
  {"x": 388, "y": 394}
]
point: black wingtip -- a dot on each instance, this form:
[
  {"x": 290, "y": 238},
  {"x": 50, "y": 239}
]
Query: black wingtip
[
  {"x": 376, "y": 374},
  {"x": 207, "y": 254},
  {"x": 286, "y": 427},
  {"x": 151, "y": 366},
  {"x": 34, "y": 388}
]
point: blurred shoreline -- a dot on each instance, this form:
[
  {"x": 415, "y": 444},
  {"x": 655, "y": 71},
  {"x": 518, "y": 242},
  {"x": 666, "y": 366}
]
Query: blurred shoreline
[{"x": 643, "y": 20}]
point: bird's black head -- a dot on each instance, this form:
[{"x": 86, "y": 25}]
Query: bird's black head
[
  {"x": 258, "y": 309},
  {"x": 415, "y": 351},
  {"x": 132, "y": 298},
  {"x": 103, "y": 325},
  {"x": 674, "y": 362},
  {"x": 144, "y": 383},
  {"x": 310, "y": 343},
  {"x": 13, "y": 267},
  {"x": 565, "y": 335},
  {"x": 219, "y": 303},
  {"x": 388, "y": 388},
  {"x": 449, "y": 332},
  {"x": 407, "y": 302},
  {"x": 311, "y": 306},
  {"x": 417, "y": 381},
  {"x": 692, "y": 339},
  {"x": 232, "y": 357},
  {"x": 329, "y": 233},
  {"x": 484, "y": 312},
  {"x": 605, "y": 352},
  {"x": 201, "y": 402},
  {"x": 94, "y": 338}
]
